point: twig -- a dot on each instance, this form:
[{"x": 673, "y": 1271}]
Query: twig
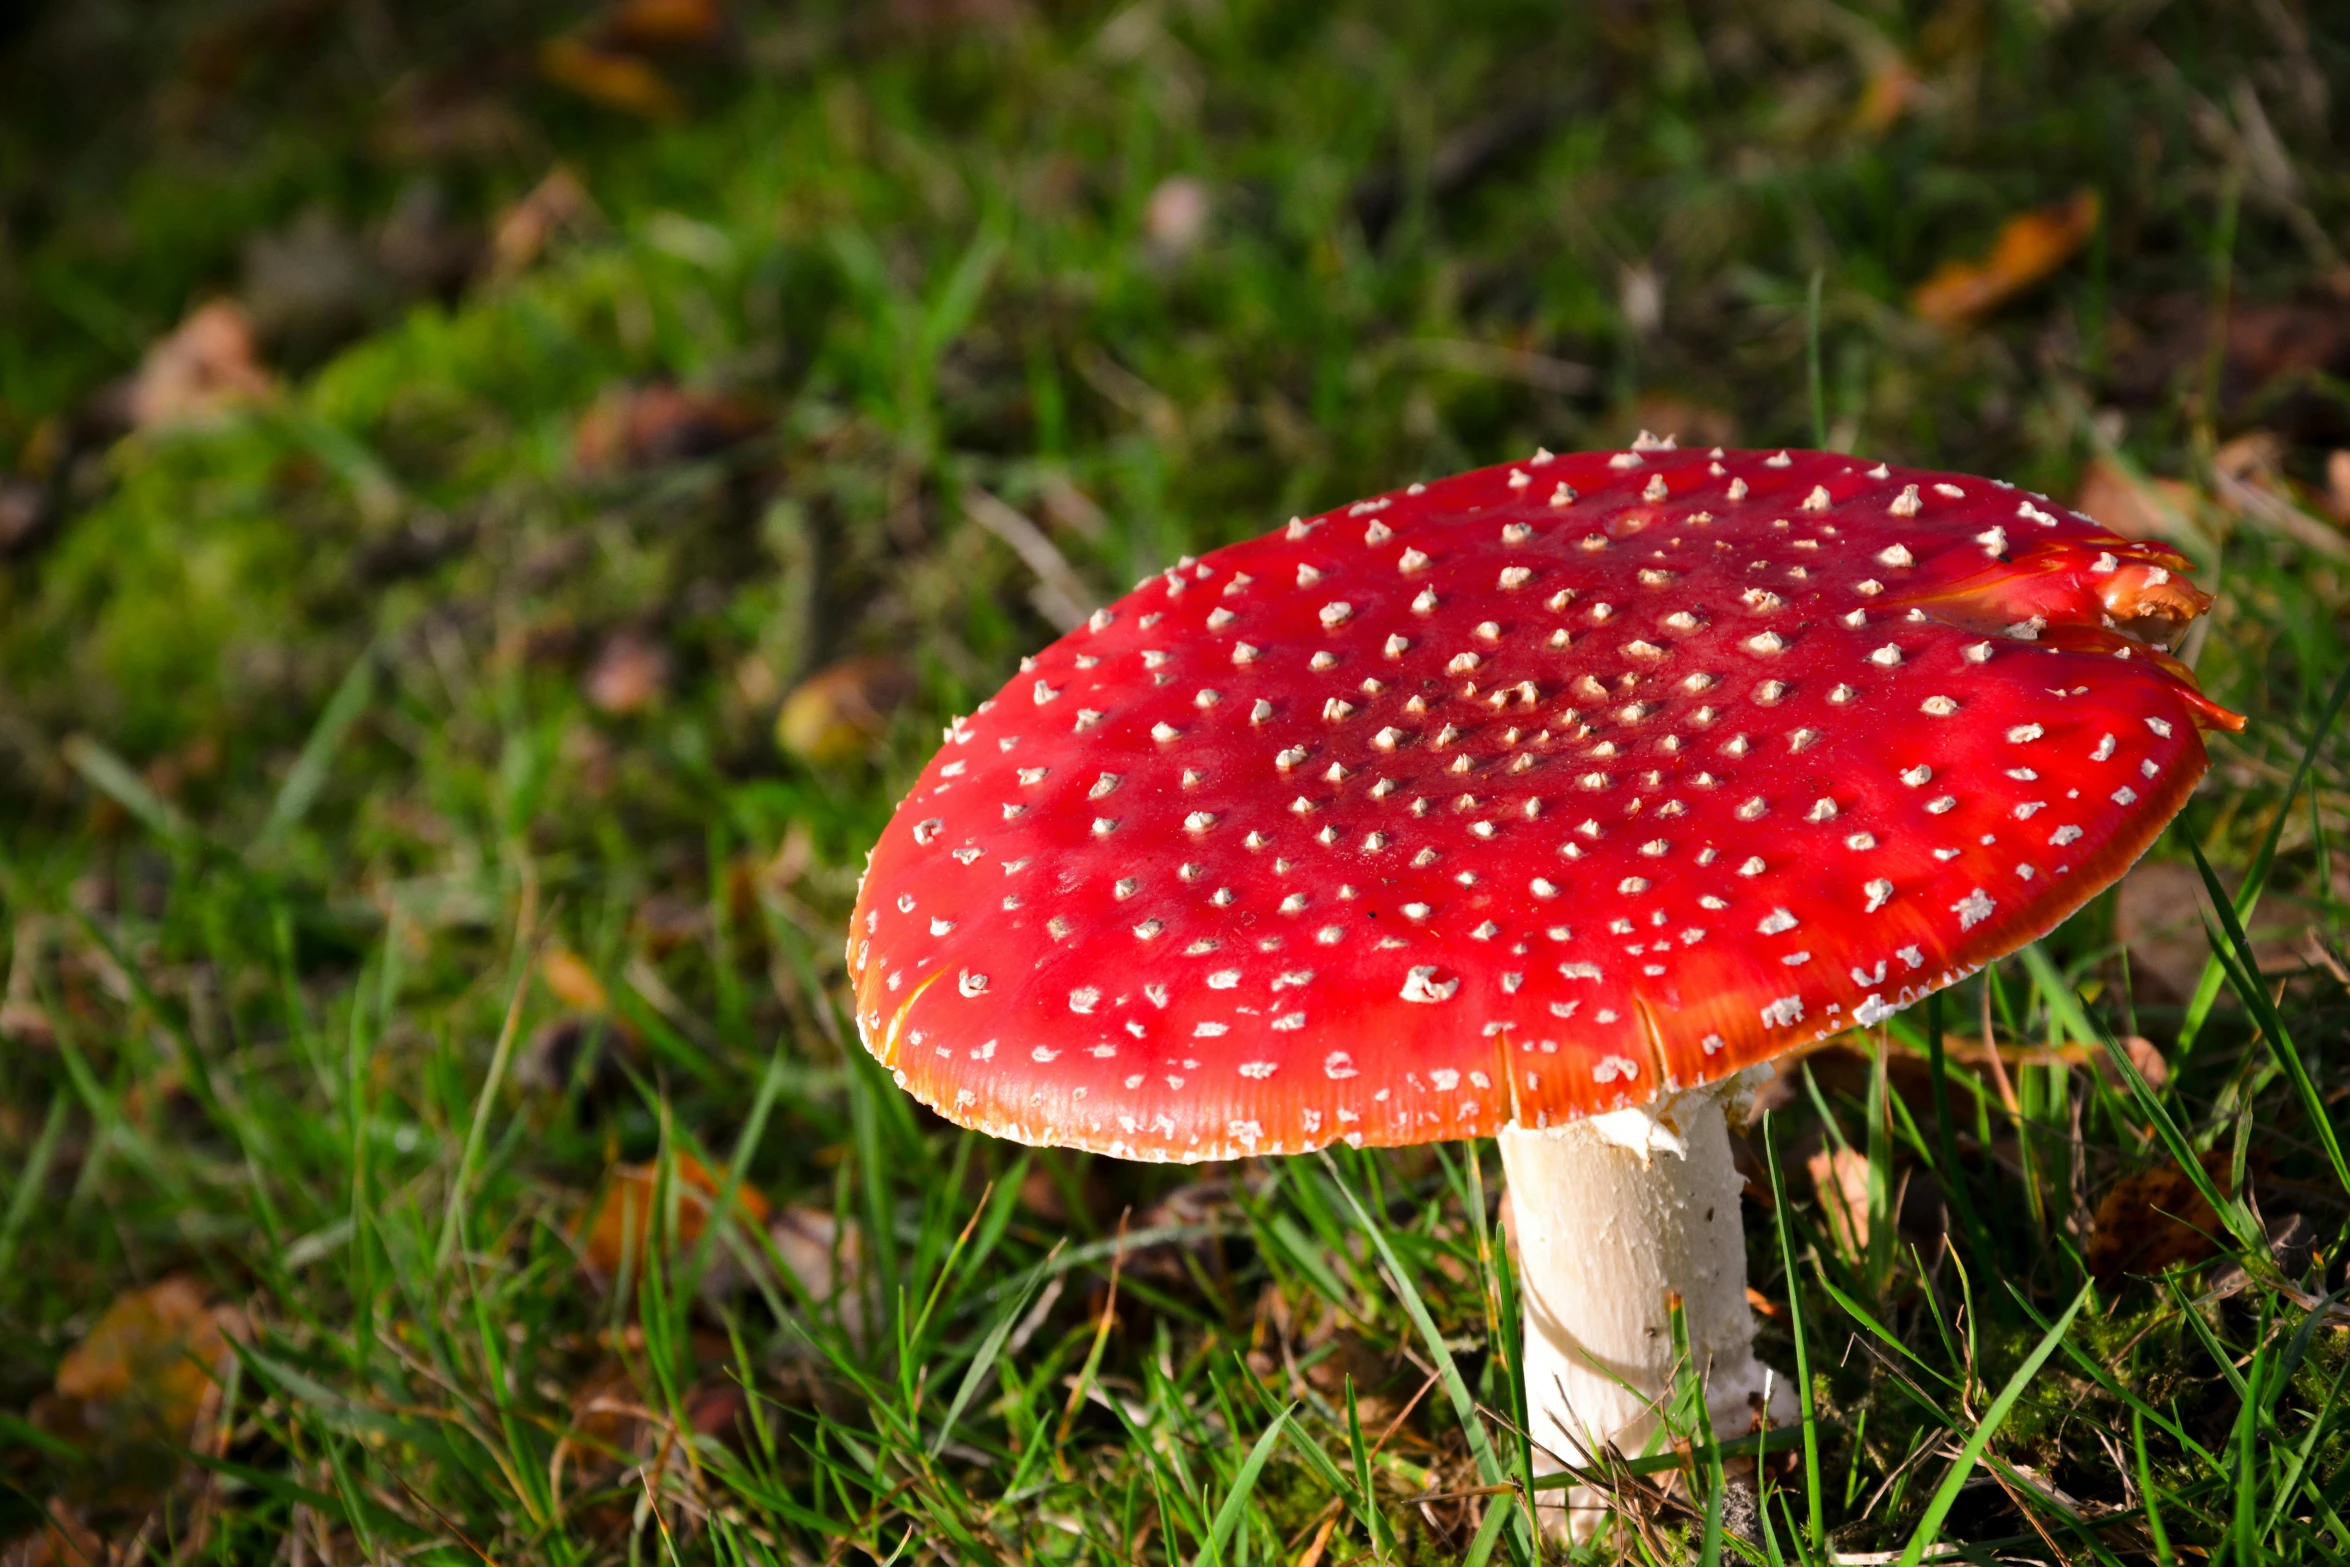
[{"x": 1061, "y": 595}]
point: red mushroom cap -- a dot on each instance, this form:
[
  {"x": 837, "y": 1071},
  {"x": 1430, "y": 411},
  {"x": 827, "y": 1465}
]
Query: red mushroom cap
[{"x": 1521, "y": 796}]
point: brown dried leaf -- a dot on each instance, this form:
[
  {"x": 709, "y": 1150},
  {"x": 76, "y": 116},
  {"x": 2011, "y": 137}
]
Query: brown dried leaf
[
  {"x": 2153, "y": 1220},
  {"x": 629, "y": 674},
  {"x": 1891, "y": 89},
  {"x": 837, "y": 714},
  {"x": 557, "y": 205},
  {"x": 2148, "y": 1058},
  {"x": 1175, "y": 217},
  {"x": 631, "y": 429},
  {"x": 2135, "y": 508},
  {"x": 609, "y": 77},
  {"x": 1840, "y": 1177},
  {"x": 207, "y": 364},
  {"x": 623, "y": 1219},
  {"x": 667, "y": 920},
  {"x": 143, "y": 1382},
  {"x": 64, "y": 1539},
  {"x": 160, "y": 1346},
  {"x": 2338, "y": 485},
  {"x": 574, "y": 983},
  {"x": 2161, "y": 914},
  {"x": 821, "y": 1255},
  {"x": 27, "y": 513},
  {"x": 430, "y": 122},
  {"x": 1685, "y": 419},
  {"x": 2029, "y": 247},
  {"x": 651, "y": 26}
]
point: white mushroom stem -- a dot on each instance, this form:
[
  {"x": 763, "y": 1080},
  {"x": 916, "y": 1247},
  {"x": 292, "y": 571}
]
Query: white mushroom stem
[{"x": 1613, "y": 1217}]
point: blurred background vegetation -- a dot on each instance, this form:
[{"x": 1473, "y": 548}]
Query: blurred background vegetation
[{"x": 495, "y": 500}]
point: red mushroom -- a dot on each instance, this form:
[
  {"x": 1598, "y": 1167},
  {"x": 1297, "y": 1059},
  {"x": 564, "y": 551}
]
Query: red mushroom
[{"x": 1540, "y": 803}]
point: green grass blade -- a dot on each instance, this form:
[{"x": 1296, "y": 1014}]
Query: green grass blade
[
  {"x": 1816, "y": 1513},
  {"x": 983, "y": 1360},
  {"x": 2231, "y": 1211},
  {"x": 478, "y": 1130},
  {"x": 32, "y": 1178},
  {"x": 1499, "y": 1510},
  {"x": 2243, "y": 972},
  {"x": 1946, "y": 1495},
  {"x": 1456, "y": 1387},
  {"x": 2207, "y": 985},
  {"x": 1228, "y": 1516},
  {"x": 1366, "y": 1491},
  {"x": 1813, "y": 378},
  {"x": 306, "y": 779},
  {"x": 2147, "y": 1488},
  {"x": 115, "y": 778}
]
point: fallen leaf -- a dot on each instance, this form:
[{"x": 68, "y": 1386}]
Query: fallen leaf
[
  {"x": 310, "y": 284},
  {"x": 2149, "y": 509},
  {"x": 2154, "y": 1220},
  {"x": 755, "y": 682},
  {"x": 2269, "y": 340},
  {"x": 574, "y": 983},
  {"x": 623, "y": 1218},
  {"x": 2248, "y": 478},
  {"x": 1070, "y": 509},
  {"x": 207, "y": 364},
  {"x": 1040, "y": 1194},
  {"x": 2159, "y": 917},
  {"x": 26, "y": 514},
  {"x": 629, "y": 675},
  {"x": 1886, "y": 96},
  {"x": 64, "y": 1539},
  {"x": 142, "y": 1383},
  {"x": 2029, "y": 247},
  {"x": 25, "y": 1023},
  {"x": 425, "y": 122},
  {"x": 550, "y": 1058},
  {"x": 160, "y": 1346},
  {"x": 1175, "y": 216},
  {"x": 2275, "y": 358},
  {"x": 2256, "y": 456},
  {"x": 557, "y": 205},
  {"x": 1840, "y": 1177},
  {"x": 821, "y": 1255},
  {"x": 918, "y": 17},
  {"x": 635, "y": 428},
  {"x": 621, "y": 1413},
  {"x": 1640, "y": 299},
  {"x": 667, "y": 920},
  {"x": 2338, "y": 485},
  {"x": 424, "y": 246},
  {"x": 610, "y": 78},
  {"x": 2148, "y": 1058},
  {"x": 838, "y": 714},
  {"x": 651, "y": 26},
  {"x": 1684, "y": 420}
]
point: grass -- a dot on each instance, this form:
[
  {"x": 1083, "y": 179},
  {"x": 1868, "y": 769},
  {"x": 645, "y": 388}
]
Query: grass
[{"x": 476, "y": 1039}]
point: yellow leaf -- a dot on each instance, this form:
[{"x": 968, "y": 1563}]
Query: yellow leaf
[
  {"x": 617, "y": 81},
  {"x": 141, "y": 1384},
  {"x": 573, "y": 982},
  {"x": 837, "y": 714},
  {"x": 1891, "y": 88},
  {"x": 623, "y": 1220},
  {"x": 2030, "y": 246}
]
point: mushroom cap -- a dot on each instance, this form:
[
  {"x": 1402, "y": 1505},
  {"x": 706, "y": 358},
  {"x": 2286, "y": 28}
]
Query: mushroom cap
[{"x": 1525, "y": 795}]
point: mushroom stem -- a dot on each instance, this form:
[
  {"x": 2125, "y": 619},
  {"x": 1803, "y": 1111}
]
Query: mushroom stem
[{"x": 1613, "y": 1216}]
